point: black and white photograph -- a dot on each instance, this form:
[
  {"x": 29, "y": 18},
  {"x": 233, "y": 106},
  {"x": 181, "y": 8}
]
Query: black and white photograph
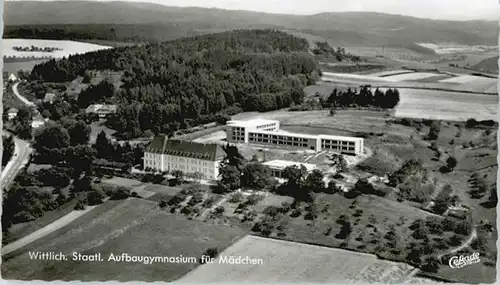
[{"x": 262, "y": 141}]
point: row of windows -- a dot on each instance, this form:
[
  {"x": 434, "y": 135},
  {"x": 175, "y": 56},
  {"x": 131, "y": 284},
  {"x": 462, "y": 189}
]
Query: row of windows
[
  {"x": 337, "y": 142},
  {"x": 279, "y": 142},
  {"x": 177, "y": 159},
  {"x": 273, "y": 125},
  {"x": 339, "y": 148}
]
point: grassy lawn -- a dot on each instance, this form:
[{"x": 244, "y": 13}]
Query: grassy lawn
[
  {"x": 295, "y": 262},
  {"x": 133, "y": 226}
]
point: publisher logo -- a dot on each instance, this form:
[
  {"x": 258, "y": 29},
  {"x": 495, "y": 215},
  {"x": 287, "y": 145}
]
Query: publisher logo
[{"x": 462, "y": 261}]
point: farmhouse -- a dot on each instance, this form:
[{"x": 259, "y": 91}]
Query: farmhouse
[
  {"x": 101, "y": 110},
  {"x": 267, "y": 132},
  {"x": 12, "y": 113},
  {"x": 165, "y": 154},
  {"x": 278, "y": 166}
]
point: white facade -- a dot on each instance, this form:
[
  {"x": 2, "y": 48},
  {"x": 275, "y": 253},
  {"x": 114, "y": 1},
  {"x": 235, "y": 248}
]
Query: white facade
[
  {"x": 162, "y": 162},
  {"x": 267, "y": 132},
  {"x": 166, "y": 155}
]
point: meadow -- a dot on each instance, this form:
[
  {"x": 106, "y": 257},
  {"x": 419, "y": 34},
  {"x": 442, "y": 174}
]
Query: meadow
[
  {"x": 285, "y": 261},
  {"x": 66, "y": 48},
  {"x": 133, "y": 226},
  {"x": 442, "y": 105}
]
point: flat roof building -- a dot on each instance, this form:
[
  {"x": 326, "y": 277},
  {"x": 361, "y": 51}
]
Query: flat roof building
[
  {"x": 267, "y": 132},
  {"x": 278, "y": 166}
]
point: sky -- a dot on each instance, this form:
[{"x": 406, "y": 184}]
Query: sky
[{"x": 434, "y": 9}]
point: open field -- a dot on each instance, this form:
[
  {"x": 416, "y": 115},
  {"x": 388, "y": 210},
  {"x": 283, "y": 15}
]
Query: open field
[
  {"x": 133, "y": 226},
  {"x": 415, "y": 80},
  {"x": 411, "y": 76},
  {"x": 419, "y": 103},
  {"x": 67, "y": 48},
  {"x": 444, "y": 105},
  {"x": 295, "y": 262},
  {"x": 454, "y": 48},
  {"x": 389, "y": 52},
  {"x": 390, "y": 73},
  {"x": 13, "y": 66}
]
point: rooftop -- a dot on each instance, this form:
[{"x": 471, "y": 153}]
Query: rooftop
[
  {"x": 102, "y": 107},
  {"x": 285, "y": 133},
  {"x": 250, "y": 123},
  {"x": 282, "y": 164},
  {"x": 189, "y": 149}
]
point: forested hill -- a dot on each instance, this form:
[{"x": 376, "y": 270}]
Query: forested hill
[{"x": 188, "y": 81}]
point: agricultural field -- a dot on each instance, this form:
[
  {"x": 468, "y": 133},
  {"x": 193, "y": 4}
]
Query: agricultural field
[
  {"x": 133, "y": 226},
  {"x": 454, "y": 48},
  {"x": 65, "y": 48},
  {"x": 389, "y": 52},
  {"x": 285, "y": 261},
  {"x": 443, "y": 105},
  {"x": 410, "y": 76}
]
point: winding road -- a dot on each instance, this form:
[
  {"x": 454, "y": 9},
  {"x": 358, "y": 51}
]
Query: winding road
[{"x": 19, "y": 159}]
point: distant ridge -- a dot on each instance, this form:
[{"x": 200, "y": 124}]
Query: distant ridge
[{"x": 361, "y": 28}]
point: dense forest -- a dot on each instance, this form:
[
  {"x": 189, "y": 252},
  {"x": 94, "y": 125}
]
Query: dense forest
[
  {"x": 102, "y": 32},
  {"x": 176, "y": 84}
]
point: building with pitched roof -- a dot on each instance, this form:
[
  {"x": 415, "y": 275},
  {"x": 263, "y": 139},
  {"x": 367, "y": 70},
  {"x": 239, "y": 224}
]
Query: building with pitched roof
[
  {"x": 164, "y": 154},
  {"x": 101, "y": 109}
]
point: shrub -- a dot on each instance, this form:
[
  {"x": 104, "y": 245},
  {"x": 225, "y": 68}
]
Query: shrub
[
  {"x": 79, "y": 206},
  {"x": 236, "y": 197},
  {"x": 95, "y": 197},
  {"x": 120, "y": 194},
  {"x": 295, "y": 213}
]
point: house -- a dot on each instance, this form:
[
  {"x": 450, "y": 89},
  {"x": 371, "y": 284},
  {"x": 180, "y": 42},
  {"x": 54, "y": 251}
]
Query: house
[
  {"x": 267, "y": 132},
  {"x": 37, "y": 122},
  {"x": 278, "y": 166},
  {"x": 12, "y": 113},
  {"x": 101, "y": 110},
  {"x": 167, "y": 155},
  {"x": 12, "y": 78},
  {"x": 49, "y": 97}
]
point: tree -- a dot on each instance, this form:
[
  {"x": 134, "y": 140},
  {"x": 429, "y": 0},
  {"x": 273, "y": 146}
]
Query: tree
[
  {"x": 314, "y": 181},
  {"x": 332, "y": 187},
  {"x": 103, "y": 146},
  {"x": 339, "y": 162},
  {"x": 80, "y": 157},
  {"x": 178, "y": 177},
  {"x": 431, "y": 264},
  {"x": 332, "y": 111},
  {"x": 8, "y": 149},
  {"x": 256, "y": 176},
  {"x": 451, "y": 162},
  {"x": 83, "y": 184},
  {"x": 54, "y": 136},
  {"x": 79, "y": 133},
  {"x": 295, "y": 175},
  {"x": 434, "y": 130},
  {"x": 95, "y": 197}
]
